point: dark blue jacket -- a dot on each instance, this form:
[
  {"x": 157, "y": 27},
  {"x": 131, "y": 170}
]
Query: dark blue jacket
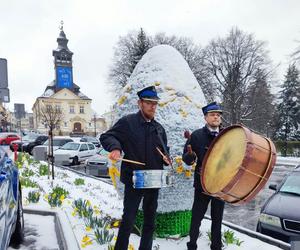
[
  {"x": 200, "y": 140},
  {"x": 138, "y": 140}
]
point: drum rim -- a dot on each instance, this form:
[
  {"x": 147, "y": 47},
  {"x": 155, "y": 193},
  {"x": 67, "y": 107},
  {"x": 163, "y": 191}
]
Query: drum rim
[
  {"x": 241, "y": 171},
  {"x": 233, "y": 181}
]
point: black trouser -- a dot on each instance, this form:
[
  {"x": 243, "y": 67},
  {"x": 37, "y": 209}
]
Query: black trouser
[
  {"x": 200, "y": 205},
  {"x": 132, "y": 199}
]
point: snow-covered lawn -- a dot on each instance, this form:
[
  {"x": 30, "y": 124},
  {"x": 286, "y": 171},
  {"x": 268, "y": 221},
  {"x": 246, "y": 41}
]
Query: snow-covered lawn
[{"x": 104, "y": 200}]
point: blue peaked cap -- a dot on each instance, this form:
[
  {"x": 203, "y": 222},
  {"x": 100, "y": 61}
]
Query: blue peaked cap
[
  {"x": 148, "y": 93},
  {"x": 212, "y": 107}
]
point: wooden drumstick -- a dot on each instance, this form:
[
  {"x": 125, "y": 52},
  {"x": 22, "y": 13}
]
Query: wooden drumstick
[
  {"x": 163, "y": 156},
  {"x": 130, "y": 161}
]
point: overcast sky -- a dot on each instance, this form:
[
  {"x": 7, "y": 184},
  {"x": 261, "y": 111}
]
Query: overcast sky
[{"x": 28, "y": 32}]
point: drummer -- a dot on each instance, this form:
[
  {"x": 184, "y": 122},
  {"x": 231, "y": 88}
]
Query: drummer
[
  {"x": 194, "y": 150},
  {"x": 138, "y": 135}
]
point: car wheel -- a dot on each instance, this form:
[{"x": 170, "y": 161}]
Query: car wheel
[
  {"x": 18, "y": 235},
  {"x": 75, "y": 161}
]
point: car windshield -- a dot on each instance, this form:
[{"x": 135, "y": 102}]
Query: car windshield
[
  {"x": 3, "y": 135},
  {"x": 29, "y": 137},
  {"x": 291, "y": 185},
  {"x": 70, "y": 146}
]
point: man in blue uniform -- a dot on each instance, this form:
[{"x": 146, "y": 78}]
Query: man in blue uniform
[
  {"x": 138, "y": 135},
  {"x": 194, "y": 150}
]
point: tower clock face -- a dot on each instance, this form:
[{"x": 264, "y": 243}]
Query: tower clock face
[{"x": 64, "y": 77}]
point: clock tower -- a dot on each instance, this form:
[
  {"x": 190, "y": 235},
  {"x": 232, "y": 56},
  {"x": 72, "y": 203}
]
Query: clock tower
[{"x": 63, "y": 63}]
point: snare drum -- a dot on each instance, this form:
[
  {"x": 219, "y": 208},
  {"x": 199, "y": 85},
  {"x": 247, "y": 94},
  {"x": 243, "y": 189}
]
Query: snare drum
[{"x": 152, "y": 178}]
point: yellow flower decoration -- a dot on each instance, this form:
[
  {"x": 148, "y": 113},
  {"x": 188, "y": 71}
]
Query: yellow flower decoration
[
  {"x": 85, "y": 239},
  {"x": 122, "y": 99},
  {"x": 62, "y": 197},
  {"x": 88, "y": 229},
  {"x": 188, "y": 173},
  {"x": 116, "y": 223},
  {"x": 130, "y": 247},
  {"x": 88, "y": 203}
]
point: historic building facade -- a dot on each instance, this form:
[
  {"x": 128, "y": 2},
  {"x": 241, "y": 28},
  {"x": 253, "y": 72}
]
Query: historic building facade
[{"x": 64, "y": 95}]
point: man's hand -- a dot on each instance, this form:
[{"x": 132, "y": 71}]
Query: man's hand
[
  {"x": 190, "y": 150},
  {"x": 114, "y": 155}
]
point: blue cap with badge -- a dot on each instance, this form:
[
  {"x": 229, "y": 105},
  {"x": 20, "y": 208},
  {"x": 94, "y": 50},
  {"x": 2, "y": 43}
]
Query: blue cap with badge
[
  {"x": 148, "y": 94},
  {"x": 212, "y": 107}
]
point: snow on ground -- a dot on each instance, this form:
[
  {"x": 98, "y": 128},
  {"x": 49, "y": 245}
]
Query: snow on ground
[
  {"x": 39, "y": 232},
  {"x": 105, "y": 198}
]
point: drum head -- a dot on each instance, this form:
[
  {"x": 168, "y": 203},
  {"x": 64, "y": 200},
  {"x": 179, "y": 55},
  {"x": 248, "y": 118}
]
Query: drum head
[{"x": 224, "y": 158}]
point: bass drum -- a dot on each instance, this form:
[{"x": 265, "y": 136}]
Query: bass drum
[{"x": 237, "y": 164}]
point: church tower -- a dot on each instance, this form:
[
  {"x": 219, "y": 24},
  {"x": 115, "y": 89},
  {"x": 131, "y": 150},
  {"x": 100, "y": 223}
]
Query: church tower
[{"x": 63, "y": 63}]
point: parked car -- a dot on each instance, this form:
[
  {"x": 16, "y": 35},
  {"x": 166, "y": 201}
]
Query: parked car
[
  {"x": 11, "y": 210},
  {"x": 97, "y": 165},
  {"x": 280, "y": 216},
  {"x": 29, "y": 146},
  {"x": 25, "y": 139},
  {"x": 77, "y": 151},
  {"x": 58, "y": 141},
  {"x": 7, "y": 138},
  {"x": 91, "y": 139}
]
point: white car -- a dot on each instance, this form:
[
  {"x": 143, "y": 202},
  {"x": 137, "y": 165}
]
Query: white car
[{"x": 76, "y": 151}]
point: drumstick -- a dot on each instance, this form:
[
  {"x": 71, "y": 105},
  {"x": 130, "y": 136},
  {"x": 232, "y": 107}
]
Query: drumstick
[
  {"x": 130, "y": 161},
  {"x": 163, "y": 156},
  {"x": 159, "y": 151}
]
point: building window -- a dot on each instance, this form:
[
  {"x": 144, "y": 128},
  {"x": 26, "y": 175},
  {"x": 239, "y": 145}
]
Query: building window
[
  {"x": 48, "y": 107},
  {"x": 90, "y": 124},
  {"x": 72, "y": 110},
  {"x": 81, "y": 109},
  {"x": 57, "y": 108},
  {"x": 66, "y": 124}
]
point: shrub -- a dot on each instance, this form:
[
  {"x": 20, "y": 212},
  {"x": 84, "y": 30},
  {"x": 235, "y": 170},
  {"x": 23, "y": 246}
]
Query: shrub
[
  {"x": 43, "y": 170},
  {"x": 79, "y": 181},
  {"x": 33, "y": 196},
  {"x": 57, "y": 196},
  {"x": 26, "y": 182}
]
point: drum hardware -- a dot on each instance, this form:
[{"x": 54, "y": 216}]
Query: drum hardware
[{"x": 249, "y": 171}]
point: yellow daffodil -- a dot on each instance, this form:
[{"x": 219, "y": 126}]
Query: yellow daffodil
[
  {"x": 88, "y": 229},
  {"x": 116, "y": 224}
]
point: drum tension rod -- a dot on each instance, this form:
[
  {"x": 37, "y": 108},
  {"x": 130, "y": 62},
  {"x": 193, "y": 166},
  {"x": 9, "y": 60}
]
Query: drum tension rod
[{"x": 249, "y": 171}]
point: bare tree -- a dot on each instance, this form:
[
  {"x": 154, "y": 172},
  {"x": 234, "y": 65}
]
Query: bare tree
[
  {"x": 131, "y": 47},
  {"x": 232, "y": 63},
  {"x": 51, "y": 117}
]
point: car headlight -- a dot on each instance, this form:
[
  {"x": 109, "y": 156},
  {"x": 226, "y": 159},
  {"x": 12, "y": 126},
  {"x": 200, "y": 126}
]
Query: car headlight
[{"x": 270, "y": 219}]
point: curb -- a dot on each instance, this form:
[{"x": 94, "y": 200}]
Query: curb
[{"x": 253, "y": 234}]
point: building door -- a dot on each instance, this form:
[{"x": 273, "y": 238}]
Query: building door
[{"x": 77, "y": 127}]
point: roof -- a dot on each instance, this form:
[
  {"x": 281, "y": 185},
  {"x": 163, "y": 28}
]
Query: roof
[{"x": 51, "y": 90}]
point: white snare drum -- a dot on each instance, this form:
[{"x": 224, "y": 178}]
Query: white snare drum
[{"x": 152, "y": 178}]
